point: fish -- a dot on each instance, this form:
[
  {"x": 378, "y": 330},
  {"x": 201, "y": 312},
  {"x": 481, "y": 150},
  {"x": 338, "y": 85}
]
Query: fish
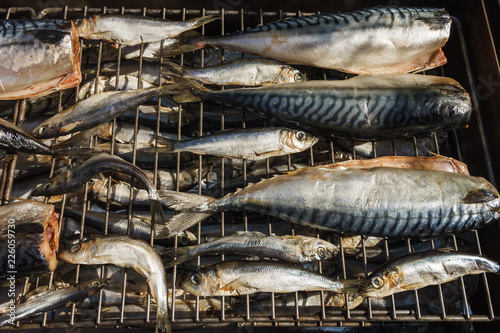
[
  {"x": 251, "y": 144},
  {"x": 419, "y": 270},
  {"x": 124, "y": 251},
  {"x": 379, "y": 40},
  {"x": 38, "y": 57},
  {"x": 362, "y": 107},
  {"x": 72, "y": 179},
  {"x": 112, "y": 83},
  {"x": 95, "y": 110},
  {"x": 235, "y": 278},
  {"x": 169, "y": 117},
  {"x": 150, "y": 72},
  {"x": 294, "y": 249},
  {"x": 382, "y": 202},
  {"x": 53, "y": 299},
  {"x": 132, "y": 30},
  {"x": 29, "y": 238},
  {"x": 125, "y": 133},
  {"x": 232, "y": 117},
  {"x": 243, "y": 72}
]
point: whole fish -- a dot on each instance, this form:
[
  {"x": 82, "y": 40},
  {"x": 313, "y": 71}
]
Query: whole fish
[
  {"x": 131, "y": 30},
  {"x": 234, "y": 278},
  {"x": 29, "y": 238},
  {"x": 419, "y": 270},
  {"x": 95, "y": 110},
  {"x": 366, "y": 41},
  {"x": 53, "y": 299},
  {"x": 383, "y": 202},
  {"x": 366, "y": 106},
  {"x": 72, "y": 179},
  {"x": 251, "y": 144},
  {"x": 38, "y": 57},
  {"x": 243, "y": 71},
  {"x": 127, "y": 252},
  {"x": 295, "y": 249},
  {"x": 109, "y": 83}
]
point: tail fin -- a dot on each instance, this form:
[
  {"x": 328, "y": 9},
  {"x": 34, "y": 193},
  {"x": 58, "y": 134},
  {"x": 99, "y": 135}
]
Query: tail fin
[
  {"x": 183, "y": 221},
  {"x": 157, "y": 214},
  {"x": 189, "y": 91},
  {"x": 162, "y": 321},
  {"x": 183, "y": 43},
  {"x": 199, "y": 21},
  {"x": 171, "y": 68},
  {"x": 165, "y": 145},
  {"x": 177, "y": 256},
  {"x": 181, "y": 201}
]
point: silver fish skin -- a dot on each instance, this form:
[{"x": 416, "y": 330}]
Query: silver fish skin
[
  {"x": 72, "y": 179},
  {"x": 37, "y": 57},
  {"x": 94, "y": 111},
  {"x": 124, "y": 251},
  {"x": 132, "y": 30},
  {"x": 243, "y": 71},
  {"x": 109, "y": 83},
  {"x": 365, "y": 107},
  {"x": 382, "y": 202},
  {"x": 251, "y": 144},
  {"x": 53, "y": 299},
  {"x": 419, "y": 270},
  {"x": 234, "y": 278},
  {"x": 294, "y": 249},
  {"x": 366, "y": 41}
]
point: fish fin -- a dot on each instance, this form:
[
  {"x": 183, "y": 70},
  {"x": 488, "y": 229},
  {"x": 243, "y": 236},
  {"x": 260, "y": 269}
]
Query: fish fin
[
  {"x": 156, "y": 211},
  {"x": 183, "y": 43},
  {"x": 172, "y": 256},
  {"x": 183, "y": 221},
  {"x": 268, "y": 153},
  {"x": 181, "y": 201},
  {"x": 199, "y": 21},
  {"x": 350, "y": 286},
  {"x": 165, "y": 146},
  {"x": 256, "y": 233},
  {"x": 162, "y": 322},
  {"x": 446, "y": 249},
  {"x": 188, "y": 90},
  {"x": 479, "y": 196},
  {"x": 171, "y": 68}
]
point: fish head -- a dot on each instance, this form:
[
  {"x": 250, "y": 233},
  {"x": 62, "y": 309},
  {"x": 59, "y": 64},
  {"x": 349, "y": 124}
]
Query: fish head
[
  {"x": 201, "y": 283},
  {"x": 289, "y": 75},
  {"x": 318, "y": 249},
  {"x": 54, "y": 186},
  {"x": 47, "y": 129},
  {"x": 93, "y": 286},
  {"x": 294, "y": 141},
  {"x": 79, "y": 251},
  {"x": 382, "y": 283},
  {"x": 85, "y": 26}
]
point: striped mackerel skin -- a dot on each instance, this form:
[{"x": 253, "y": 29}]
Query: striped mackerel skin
[
  {"x": 367, "y": 41},
  {"x": 371, "y": 106},
  {"x": 385, "y": 202}
]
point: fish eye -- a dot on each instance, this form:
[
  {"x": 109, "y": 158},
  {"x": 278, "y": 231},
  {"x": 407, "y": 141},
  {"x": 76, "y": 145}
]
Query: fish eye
[
  {"x": 75, "y": 248},
  {"x": 301, "y": 135},
  {"x": 47, "y": 186},
  {"x": 183, "y": 239},
  {"x": 321, "y": 252},
  {"x": 78, "y": 22},
  {"x": 377, "y": 282},
  {"x": 196, "y": 278},
  {"x": 43, "y": 130},
  {"x": 298, "y": 76},
  {"x": 95, "y": 284},
  {"x": 184, "y": 121}
]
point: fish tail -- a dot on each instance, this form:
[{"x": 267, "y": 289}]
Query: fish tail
[
  {"x": 165, "y": 145},
  {"x": 171, "y": 68},
  {"x": 199, "y": 21},
  {"x": 162, "y": 322},
  {"x": 181, "y": 201},
  {"x": 189, "y": 91},
  {"x": 184, "y": 43},
  {"x": 156, "y": 208},
  {"x": 82, "y": 152},
  {"x": 174, "y": 256}
]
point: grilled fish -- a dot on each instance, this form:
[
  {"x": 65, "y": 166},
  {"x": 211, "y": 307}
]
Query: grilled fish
[
  {"x": 72, "y": 179},
  {"x": 53, "y": 299},
  {"x": 38, "y": 57},
  {"x": 295, "y": 249},
  {"x": 234, "y": 278},
  {"x": 383, "y": 202},
  {"x": 367, "y": 106},
  {"x": 251, "y": 144},
  {"x": 420, "y": 270},
  {"x": 367, "y": 41},
  {"x": 131, "y": 30},
  {"x": 243, "y": 71}
]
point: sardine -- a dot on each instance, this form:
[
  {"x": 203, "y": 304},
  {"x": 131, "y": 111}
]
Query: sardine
[
  {"x": 419, "y": 270},
  {"x": 294, "y": 249},
  {"x": 367, "y": 106},
  {"x": 94, "y": 111},
  {"x": 29, "y": 238},
  {"x": 383, "y": 202},
  {"x": 109, "y": 83},
  {"x": 38, "y": 57},
  {"x": 127, "y": 252},
  {"x": 234, "y": 278},
  {"x": 72, "y": 179},
  {"x": 243, "y": 71},
  {"x": 53, "y": 299},
  {"x": 131, "y": 30},
  {"x": 366, "y": 41},
  {"x": 251, "y": 144}
]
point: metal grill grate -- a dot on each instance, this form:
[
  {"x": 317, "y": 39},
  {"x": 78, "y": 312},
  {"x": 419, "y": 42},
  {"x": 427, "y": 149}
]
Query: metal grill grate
[{"x": 233, "y": 20}]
